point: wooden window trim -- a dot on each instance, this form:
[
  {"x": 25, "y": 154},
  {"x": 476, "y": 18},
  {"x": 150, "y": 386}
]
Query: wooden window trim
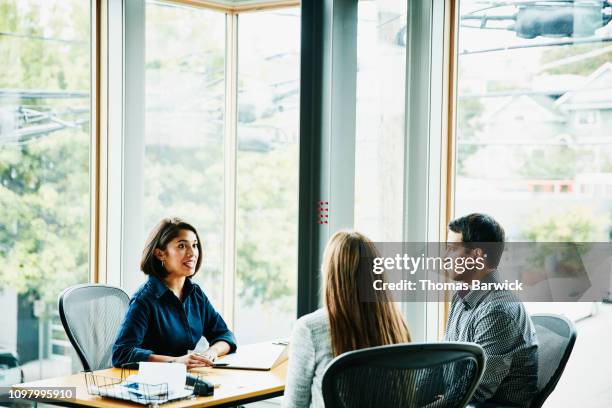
[
  {"x": 450, "y": 105},
  {"x": 228, "y": 7}
]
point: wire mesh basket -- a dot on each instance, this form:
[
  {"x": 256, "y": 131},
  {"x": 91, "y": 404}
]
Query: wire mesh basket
[
  {"x": 125, "y": 389},
  {"x": 113, "y": 387}
]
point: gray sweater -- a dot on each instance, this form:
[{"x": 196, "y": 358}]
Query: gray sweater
[{"x": 309, "y": 355}]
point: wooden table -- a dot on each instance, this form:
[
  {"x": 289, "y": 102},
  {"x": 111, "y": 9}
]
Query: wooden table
[{"x": 235, "y": 387}]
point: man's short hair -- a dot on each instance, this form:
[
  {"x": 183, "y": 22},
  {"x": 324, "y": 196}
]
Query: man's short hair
[{"x": 483, "y": 232}]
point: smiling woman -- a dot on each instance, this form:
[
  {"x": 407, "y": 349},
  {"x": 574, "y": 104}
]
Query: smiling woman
[
  {"x": 169, "y": 314},
  {"x": 181, "y": 256}
]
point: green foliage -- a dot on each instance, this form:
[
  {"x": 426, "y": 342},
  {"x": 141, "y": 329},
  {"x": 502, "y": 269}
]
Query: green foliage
[
  {"x": 44, "y": 214},
  {"x": 574, "y": 225},
  {"x": 559, "y": 162},
  {"x": 44, "y": 182},
  {"x": 44, "y": 64},
  {"x": 552, "y": 162},
  {"x": 583, "y": 67},
  {"x": 266, "y": 225},
  {"x": 171, "y": 50}
]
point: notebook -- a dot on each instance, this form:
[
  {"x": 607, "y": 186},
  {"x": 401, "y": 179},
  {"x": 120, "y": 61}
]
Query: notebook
[{"x": 260, "y": 356}]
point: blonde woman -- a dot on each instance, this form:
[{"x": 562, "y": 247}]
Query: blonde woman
[{"x": 344, "y": 324}]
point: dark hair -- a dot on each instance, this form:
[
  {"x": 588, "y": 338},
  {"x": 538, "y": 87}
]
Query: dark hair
[
  {"x": 159, "y": 238},
  {"x": 484, "y": 231}
]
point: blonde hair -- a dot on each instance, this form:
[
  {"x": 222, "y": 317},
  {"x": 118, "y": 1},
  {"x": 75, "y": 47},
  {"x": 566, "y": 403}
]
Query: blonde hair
[{"x": 356, "y": 324}]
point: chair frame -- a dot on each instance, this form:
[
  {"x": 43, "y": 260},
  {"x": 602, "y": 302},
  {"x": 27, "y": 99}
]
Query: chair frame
[
  {"x": 543, "y": 394},
  {"x": 67, "y": 328},
  {"x": 424, "y": 357}
]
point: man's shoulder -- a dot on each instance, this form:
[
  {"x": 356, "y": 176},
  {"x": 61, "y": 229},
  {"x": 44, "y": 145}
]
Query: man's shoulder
[
  {"x": 502, "y": 301},
  {"x": 506, "y": 309}
]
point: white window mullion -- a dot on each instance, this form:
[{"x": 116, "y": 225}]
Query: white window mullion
[
  {"x": 231, "y": 119},
  {"x": 110, "y": 143},
  {"x": 133, "y": 143},
  {"x": 436, "y": 228},
  {"x": 425, "y": 214}
]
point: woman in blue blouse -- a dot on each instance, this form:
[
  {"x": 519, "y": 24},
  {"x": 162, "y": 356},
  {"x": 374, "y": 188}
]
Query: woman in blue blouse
[{"x": 169, "y": 314}]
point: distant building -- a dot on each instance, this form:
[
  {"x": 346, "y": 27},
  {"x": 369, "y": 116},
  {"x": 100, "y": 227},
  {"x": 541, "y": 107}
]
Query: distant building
[
  {"x": 588, "y": 108},
  {"x": 537, "y": 119},
  {"x": 582, "y": 115},
  {"x": 524, "y": 119}
]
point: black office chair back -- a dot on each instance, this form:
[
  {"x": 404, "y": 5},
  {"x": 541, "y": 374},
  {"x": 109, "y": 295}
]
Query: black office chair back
[
  {"x": 404, "y": 375},
  {"x": 91, "y": 315},
  {"x": 556, "y": 338}
]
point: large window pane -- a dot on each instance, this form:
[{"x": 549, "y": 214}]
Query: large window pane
[
  {"x": 534, "y": 145},
  {"x": 379, "y": 148},
  {"x": 44, "y": 178},
  {"x": 184, "y": 127},
  {"x": 267, "y": 174}
]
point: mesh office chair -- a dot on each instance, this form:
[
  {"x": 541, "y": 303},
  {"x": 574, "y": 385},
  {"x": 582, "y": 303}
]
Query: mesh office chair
[
  {"x": 556, "y": 338},
  {"x": 404, "y": 375},
  {"x": 91, "y": 315}
]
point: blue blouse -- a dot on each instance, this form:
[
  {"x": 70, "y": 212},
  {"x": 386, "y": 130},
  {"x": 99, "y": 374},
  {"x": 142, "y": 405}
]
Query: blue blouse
[{"x": 157, "y": 322}]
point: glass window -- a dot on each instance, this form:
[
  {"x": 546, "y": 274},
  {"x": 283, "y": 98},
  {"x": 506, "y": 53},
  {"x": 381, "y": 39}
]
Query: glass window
[
  {"x": 184, "y": 128},
  {"x": 44, "y": 178},
  {"x": 533, "y": 140},
  {"x": 533, "y": 120},
  {"x": 379, "y": 147},
  {"x": 267, "y": 173}
]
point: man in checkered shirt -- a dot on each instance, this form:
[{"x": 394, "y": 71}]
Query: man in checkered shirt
[{"x": 495, "y": 319}]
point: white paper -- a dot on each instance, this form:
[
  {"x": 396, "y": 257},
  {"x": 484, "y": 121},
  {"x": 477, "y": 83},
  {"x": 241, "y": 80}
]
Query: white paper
[{"x": 173, "y": 374}]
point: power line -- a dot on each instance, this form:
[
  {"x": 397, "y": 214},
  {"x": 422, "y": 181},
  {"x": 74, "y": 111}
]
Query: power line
[
  {"x": 41, "y": 94},
  {"x": 576, "y": 58},
  {"x": 41, "y": 38},
  {"x": 545, "y": 44}
]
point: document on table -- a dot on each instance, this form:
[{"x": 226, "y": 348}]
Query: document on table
[
  {"x": 173, "y": 374},
  {"x": 146, "y": 384}
]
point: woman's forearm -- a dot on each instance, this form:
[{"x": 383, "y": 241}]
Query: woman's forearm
[
  {"x": 191, "y": 360},
  {"x": 159, "y": 358},
  {"x": 220, "y": 348}
]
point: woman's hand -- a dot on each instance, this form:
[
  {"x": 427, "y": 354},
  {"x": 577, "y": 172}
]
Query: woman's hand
[
  {"x": 193, "y": 360},
  {"x": 210, "y": 354}
]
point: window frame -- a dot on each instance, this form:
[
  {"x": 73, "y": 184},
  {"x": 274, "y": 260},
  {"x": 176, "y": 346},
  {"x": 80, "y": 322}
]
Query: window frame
[{"x": 430, "y": 144}]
